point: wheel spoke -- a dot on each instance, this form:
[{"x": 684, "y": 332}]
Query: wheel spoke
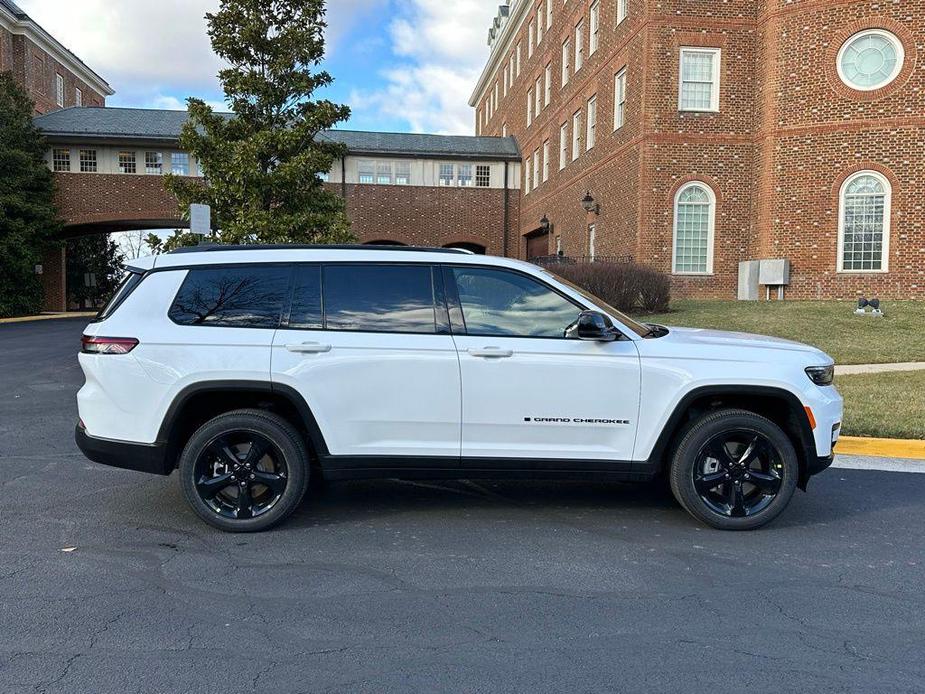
[
  {"x": 276, "y": 483},
  {"x": 718, "y": 451},
  {"x": 222, "y": 449},
  {"x": 210, "y": 486},
  {"x": 749, "y": 451},
  {"x": 258, "y": 449},
  {"x": 768, "y": 484},
  {"x": 737, "y": 501},
  {"x": 706, "y": 483},
  {"x": 244, "y": 506}
]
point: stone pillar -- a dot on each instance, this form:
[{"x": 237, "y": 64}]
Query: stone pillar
[{"x": 54, "y": 279}]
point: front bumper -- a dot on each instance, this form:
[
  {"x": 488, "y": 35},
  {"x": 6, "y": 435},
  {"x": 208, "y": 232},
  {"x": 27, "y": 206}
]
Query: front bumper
[{"x": 150, "y": 458}]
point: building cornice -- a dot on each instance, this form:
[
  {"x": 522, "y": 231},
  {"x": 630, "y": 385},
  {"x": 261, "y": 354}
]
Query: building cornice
[
  {"x": 501, "y": 48},
  {"x": 25, "y": 26}
]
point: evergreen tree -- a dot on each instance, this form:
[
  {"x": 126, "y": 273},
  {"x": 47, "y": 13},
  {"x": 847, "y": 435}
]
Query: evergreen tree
[
  {"x": 94, "y": 269},
  {"x": 262, "y": 163},
  {"x": 28, "y": 220}
]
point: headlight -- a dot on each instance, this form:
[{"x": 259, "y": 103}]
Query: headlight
[{"x": 821, "y": 375}]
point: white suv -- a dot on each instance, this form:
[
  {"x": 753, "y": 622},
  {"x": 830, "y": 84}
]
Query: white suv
[{"x": 251, "y": 369}]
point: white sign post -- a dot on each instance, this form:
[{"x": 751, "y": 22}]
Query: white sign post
[{"x": 200, "y": 220}]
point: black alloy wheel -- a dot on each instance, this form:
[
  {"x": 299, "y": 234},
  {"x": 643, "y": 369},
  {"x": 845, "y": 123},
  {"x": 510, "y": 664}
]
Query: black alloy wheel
[
  {"x": 245, "y": 471},
  {"x": 734, "y": 470}
]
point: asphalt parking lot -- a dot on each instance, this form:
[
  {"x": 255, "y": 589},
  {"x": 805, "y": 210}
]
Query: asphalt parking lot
[{"x": 444, "y": 587}]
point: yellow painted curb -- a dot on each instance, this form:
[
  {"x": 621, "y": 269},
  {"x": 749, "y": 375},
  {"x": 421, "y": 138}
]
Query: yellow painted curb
[
  {"x": 48, "y": 316},
  {"x": 881, "y": 448}
]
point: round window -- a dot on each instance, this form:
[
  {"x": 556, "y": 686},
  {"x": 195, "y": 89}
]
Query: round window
[{"x": 870, "y": 60}]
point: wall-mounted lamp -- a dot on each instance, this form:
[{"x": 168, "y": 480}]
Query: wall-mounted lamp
[
  {"x": 545, "y": 224},
  {"x": 591, "y": 207}
]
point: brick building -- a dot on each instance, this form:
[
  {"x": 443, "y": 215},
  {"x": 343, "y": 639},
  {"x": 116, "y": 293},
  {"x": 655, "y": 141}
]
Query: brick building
[
  {"x": 54, "y": 77},
  {"x": 427, "y": 190},
  {"x": 710, "y": 132}
]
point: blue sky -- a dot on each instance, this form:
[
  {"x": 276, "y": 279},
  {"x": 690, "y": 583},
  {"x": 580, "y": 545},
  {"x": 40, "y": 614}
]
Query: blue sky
[{"x": 402, "y": 65}]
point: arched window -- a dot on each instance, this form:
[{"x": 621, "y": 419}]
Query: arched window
[
  {"x": 864, "y": 223},
  {"x": 694, "y": 222}
]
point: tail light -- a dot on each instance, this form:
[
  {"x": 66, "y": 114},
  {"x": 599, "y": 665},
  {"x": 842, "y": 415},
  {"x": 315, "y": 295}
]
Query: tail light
[{"x": 107, "y": 345}]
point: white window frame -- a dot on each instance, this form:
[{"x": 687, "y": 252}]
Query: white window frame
[
  {"x": 59, "y": 89},
  {"x": 900, "y": 58},
  {"x": 563, "y": 145},
  {"x": 530, "y": 101},
  {"x": 536, "y": 168},
  {"x": 716, "y": 81},
  {"x": 566, "y": 60},
  {"x": 483, "y": 174},
  {"x": 545, "y": 161},
  {"x": 887, "y": 223},
  {"x": 548, "y": 15},
  {"x": 711, "y": 229},
  {"x": 619, "y": 99},
  {"x": 576, "y": 134},
  {"x": 594, "y": 39},
  {"x": 520, "y": 46},
  {"x": 531, "y": 37},
  {"x": 527, "y": 176},
  {"x": 78, "y": 97},
  {"x": 591, "y": 126},
  {"x": 176, "y": 158},
  {"x": 547, "y": 87},
  {"x": 579, "y": 46},
  {"x": 61, "y": 161},
  {"x": 622, "y": 10},
  {"x": 539, "y": 26}
]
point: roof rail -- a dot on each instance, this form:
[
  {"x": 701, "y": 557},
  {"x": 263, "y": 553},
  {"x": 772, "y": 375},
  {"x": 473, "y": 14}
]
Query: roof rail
[{"x": 211, "y": 248}]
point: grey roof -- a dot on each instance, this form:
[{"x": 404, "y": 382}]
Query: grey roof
[{"x": 151, "y": 124}]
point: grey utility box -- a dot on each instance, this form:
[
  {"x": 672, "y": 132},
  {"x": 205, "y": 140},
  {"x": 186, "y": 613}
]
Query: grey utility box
[
  {"x": 774, "y": 273},
  {"x": 748, "y": 280}
]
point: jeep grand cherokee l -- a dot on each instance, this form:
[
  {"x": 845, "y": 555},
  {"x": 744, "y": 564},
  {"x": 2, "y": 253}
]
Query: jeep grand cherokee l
[{"x": 251, "y": 369}]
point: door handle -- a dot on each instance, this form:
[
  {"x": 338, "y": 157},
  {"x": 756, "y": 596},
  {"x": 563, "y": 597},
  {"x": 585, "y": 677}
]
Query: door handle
[
  {"x": 492, "y": 353},
  {"x": 309, "y": 348}
]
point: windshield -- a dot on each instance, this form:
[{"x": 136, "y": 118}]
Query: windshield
[{"x": 637, "y": 328}]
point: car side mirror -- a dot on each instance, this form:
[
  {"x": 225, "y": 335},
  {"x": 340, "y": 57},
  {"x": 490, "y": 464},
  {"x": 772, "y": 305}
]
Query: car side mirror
[{"x": 594, "y": 327}]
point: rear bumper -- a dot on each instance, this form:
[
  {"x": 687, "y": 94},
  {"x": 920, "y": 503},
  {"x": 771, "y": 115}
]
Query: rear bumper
[{"x": 128, "y": 456}]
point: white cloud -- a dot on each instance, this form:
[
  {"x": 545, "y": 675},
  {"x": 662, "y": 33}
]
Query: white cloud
[
  {"x": 443, "y": 44},
  {"x": 146, "y": 49}
]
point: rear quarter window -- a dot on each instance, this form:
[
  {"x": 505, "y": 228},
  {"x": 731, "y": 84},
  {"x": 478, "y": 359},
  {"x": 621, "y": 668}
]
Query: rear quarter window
[
  {"x": 128, "y": 284},
  {"x": 232, "y": 297}
]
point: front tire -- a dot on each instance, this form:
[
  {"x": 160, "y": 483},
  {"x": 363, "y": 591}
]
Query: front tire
[
  {"x": 244, "y": 471},
  {"x": 734, "y": 470}
]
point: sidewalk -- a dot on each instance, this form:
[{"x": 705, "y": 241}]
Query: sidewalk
[
  {"x": 49, "y": 316},
  {"x": 855, "y": 369}
]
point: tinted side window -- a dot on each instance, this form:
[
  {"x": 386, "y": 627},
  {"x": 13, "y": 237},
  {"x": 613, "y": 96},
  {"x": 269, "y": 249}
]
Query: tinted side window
[
  {"x": 379, "y": 298},
  {"x": 306, "y": 313},
  {"x": 238, "y": 297},
  {"x": 501, "y": 303}
]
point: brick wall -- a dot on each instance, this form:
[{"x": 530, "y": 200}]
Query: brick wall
[
  {"x": 6, "y": 50},
  {"x": 113, "y": 200},
  {"x": 787, "y": 135}
]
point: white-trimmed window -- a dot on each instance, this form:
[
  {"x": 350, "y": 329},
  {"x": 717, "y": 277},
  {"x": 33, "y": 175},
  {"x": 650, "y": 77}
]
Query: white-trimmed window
[
  {"x": 520, "y": 46},
  {"x": 536, "y": 169},
  {"x": 127, "y": 164},
  {"x": 529, "y": 107},
  {"x": 154, "y": 163},
  {"x": 539, "y": 25},
  {"x": 545, "y": 161},
  {"x": 494, "y": 106},
  {"x": 566, "y": 59},
  {"x": 619, "y": 99},
  {"x": 78, "y": 97},
  {"x": 694, "y": 227},
  {"x": 699, "y": 79},
  {"x": 531, "y": 37},
  {"x": 403, "y": 173},
  {"x": 526, "y": 175},
  {"x": 576, "y": 135},
  {"x": 59, "y": 89},
  {"x": 864, "y": 223},
  {"x": 621, "y": 10},
  {"x": 870, "y": 60},
  {"x": 548, "y": 14},
  {"x": 88, "y": 161},
  {"x": 179, "y": 163},
  {"x": 366, "y": 171},
  {"x": 595, "y": 26},
  {"x": 464, "y": 177},
  {"x": 563, "y": 146},
  {"x": 579, "y": 45},
  {"x": 538, "y": 90},
  {"x": 447, "y": 175},
  {"x": 483, "y": 176},
  {"x": 504, "y": 130},
  {"x": 547, "y": 87},
  {"x": 61, "y": 159},
  {"x": 592, "y": 122},
  {"x": 384, "y": 173},
  {"x": 459, "y": 175}
]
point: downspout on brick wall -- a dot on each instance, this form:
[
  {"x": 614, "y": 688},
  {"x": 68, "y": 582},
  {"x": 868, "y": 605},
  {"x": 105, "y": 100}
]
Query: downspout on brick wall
[
  {"x": 343, "y": 177},
  {"x": 506, "y": 210}
]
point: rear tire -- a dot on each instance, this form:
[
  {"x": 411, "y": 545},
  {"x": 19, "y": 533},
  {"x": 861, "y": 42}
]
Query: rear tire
[
  {"x": 244, "y": 471},
  {"x": 734, "y": 470}
]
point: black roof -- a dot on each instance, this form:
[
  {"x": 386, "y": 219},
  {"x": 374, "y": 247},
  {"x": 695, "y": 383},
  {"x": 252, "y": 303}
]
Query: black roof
[
  {"x": 211, "y": 248},
  {"x": 124, "y": 124}
]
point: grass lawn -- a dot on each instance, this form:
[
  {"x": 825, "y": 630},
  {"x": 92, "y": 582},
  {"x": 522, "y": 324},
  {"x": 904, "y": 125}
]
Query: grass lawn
[
  {"x": 889, "y": 405},
  {"x": 829, "y": 325}
]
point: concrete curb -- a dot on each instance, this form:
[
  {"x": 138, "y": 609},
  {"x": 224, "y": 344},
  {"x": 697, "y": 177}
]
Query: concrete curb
[
  {"x": 881, "y": 448},
  {"x": 48, "y": 316}
]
